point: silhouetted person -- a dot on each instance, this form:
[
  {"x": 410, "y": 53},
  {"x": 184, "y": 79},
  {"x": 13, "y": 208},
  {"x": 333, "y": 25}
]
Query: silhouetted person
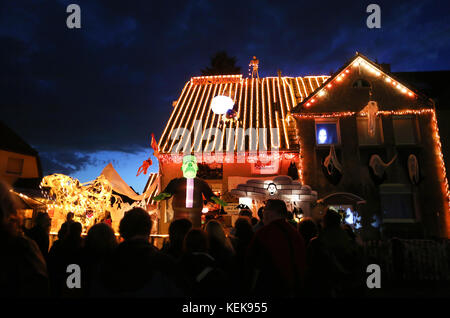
[
  {"x": 246, "y": 212},
  {"x": 67, "y": 251},
  {"x": 260, "y": 223},
  {"x": 220, "y": 246},
  {"x": 308, "y": 229},
  {"x": 276, "y": 255},
  {"x": 136, "y": 268},
  {"x": 177, "y": 232},
  {"x": 200, "y": 275},
  {"x": 23, "y": 271},
  {"x": 334, "y": 261},
  {"x": 40, "y": 233},
  {"x": 241, "y": 241},
  {"x": 99, "y": 245}
]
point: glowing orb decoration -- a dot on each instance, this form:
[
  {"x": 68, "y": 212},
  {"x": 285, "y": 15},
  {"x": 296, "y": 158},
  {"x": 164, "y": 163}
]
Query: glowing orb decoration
[
  {"x": 221, "y": 104},
  {"x": 322, "y": 136}
]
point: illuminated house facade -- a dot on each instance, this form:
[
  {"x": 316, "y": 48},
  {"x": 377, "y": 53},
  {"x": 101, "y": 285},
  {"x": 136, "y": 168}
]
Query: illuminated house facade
[
  {"x": 387, "y": 150},
  {"x": 313, "y": 130}
]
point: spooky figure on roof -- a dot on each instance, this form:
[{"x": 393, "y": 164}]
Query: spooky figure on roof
[{"x": 188, "y": 193}]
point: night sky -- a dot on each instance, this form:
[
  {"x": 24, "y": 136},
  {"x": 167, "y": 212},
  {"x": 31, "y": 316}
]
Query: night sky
[{"x": 86, "y": 97}]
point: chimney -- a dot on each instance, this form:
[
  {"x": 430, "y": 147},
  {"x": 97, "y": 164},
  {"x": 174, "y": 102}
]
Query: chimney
[{"x": 386, "y": 67}]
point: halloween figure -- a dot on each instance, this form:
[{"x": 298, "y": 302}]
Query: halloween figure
[{"x": 188, "y": 193}]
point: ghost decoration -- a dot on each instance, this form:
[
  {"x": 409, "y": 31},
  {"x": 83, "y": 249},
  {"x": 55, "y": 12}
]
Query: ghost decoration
[
  {"x": 413, "y": 169},
  {"x": 331, "y": 167},
  {"x": 371, "y": 109},
  {"x": 377, "y": 167}
]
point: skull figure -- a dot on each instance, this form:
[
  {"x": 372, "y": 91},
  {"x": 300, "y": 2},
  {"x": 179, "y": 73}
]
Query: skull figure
[
  {"x": 272, "y": 188},
  {"x": 189, "y": 167}
]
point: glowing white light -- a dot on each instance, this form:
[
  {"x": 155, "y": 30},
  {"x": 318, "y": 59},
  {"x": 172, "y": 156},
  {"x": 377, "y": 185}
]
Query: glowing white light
[
  {"x": 349, "y": 219},
  {"x": 322, "y": 136},
  {"x": 221, "y": 104},
  {"x": 246, "y": 201},
  {"x": 189, "y": 192},
  {"x": 205, "y": 210}
]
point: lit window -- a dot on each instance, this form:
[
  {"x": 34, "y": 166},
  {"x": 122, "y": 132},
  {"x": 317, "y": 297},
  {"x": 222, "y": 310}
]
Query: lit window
[
  {"x": 14, "y": 166},
  {"x": 363, "y": 134},
  {"x": 404, "y": 130},
  {"x": 327, "y": 132},
  {"x": 397, "y": 203}
]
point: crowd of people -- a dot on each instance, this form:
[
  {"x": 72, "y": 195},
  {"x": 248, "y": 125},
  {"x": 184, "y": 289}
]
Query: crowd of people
[{"x": 265, "y": 256}]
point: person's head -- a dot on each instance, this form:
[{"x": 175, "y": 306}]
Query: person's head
[
  {"x": 275, "y": 209},
  {"x": 246, "y": 212},
  {"x": 9, "y": 220},
  {"x": 63, "y": 231},
  {"x": 254, "y": 221},
  {"x": 260, "y": 213},
  {"x": 215, "y": 231},
  {"x": 43, "y": 220},
  {"x": 135, "y": 222},
  {"x": 70, "y": 216},
  {"x": 244, "y": 229},
  {"x": 178, "y": 230},
  {"x": 307, "y": 228},
  {"x": 189, "y": 166},
  {"x": 195, "y": 241},
  {"x": 100, "y": 238},
  {"x": 331, "y": 219}
]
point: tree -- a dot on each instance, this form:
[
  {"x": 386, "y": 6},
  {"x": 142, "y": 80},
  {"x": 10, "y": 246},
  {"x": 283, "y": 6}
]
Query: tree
[{"x": 222, "y": 64}]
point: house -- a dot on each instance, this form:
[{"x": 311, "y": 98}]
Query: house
[{"x": 361, "y": 141}]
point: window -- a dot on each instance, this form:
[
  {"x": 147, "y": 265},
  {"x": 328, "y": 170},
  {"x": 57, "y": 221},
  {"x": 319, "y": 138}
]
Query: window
[
  {"x": 327, "y": 132},
  {"x": 397, "y": 203},
  {"x": 404, "y": 130},
  {"x": 364, "y": 138},
  {"x": 14, "y": 166}
]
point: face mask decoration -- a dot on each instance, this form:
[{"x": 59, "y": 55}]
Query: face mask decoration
[
  {"x": 189, "y": 167},
  {"x": 272, "y": 188}
]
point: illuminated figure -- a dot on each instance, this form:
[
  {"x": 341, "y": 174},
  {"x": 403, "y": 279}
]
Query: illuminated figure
[
  {"x": 322, "y": 136},
  {"x": 254, "y": 65},
  {"x": 188, "y": 193},
  {"x": 145, "y": 165}
]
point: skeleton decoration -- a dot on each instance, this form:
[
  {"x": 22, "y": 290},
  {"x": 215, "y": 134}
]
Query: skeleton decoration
[
  {"x": 332, "y": 167},
  {"x": 371, "y": 109},
  {"x": 413, "y": 169},
  {"x": 378, "y": 167}
]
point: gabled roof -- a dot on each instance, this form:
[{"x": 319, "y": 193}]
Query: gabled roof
[
  {"x": 12, "y": 142},
  {"x": 259, "y": 103},
  {"x": 359, "y": 60}
]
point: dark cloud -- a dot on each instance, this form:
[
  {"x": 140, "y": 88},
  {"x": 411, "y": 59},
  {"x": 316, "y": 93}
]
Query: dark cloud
[{"x": 110, "y": 84}]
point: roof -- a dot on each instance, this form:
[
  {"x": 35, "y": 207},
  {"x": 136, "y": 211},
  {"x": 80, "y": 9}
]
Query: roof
[
  {"x": 323, "y": 92},
  {"x": 151, "y": 187},
  {"x": 12, "y": 142},
  {"x": 259, "y": 103}
]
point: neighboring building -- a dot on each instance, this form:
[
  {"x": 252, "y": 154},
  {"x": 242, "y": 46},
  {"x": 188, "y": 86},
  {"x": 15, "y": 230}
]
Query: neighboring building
[
  {"x": 385, "y": 169},
  {"x": 408, "y": 196},
  {"x": 17, "y": 158}
]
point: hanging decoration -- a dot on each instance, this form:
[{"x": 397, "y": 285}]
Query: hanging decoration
[
  {"x": 371, "y": 109},
  {"x": 188, "y": 193},
  {"x": 377, "y": 168},
  {"x": 413, "y": 169},
  {"x": 331, "y": 167},
  {"x": 147, "y": 163}
]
